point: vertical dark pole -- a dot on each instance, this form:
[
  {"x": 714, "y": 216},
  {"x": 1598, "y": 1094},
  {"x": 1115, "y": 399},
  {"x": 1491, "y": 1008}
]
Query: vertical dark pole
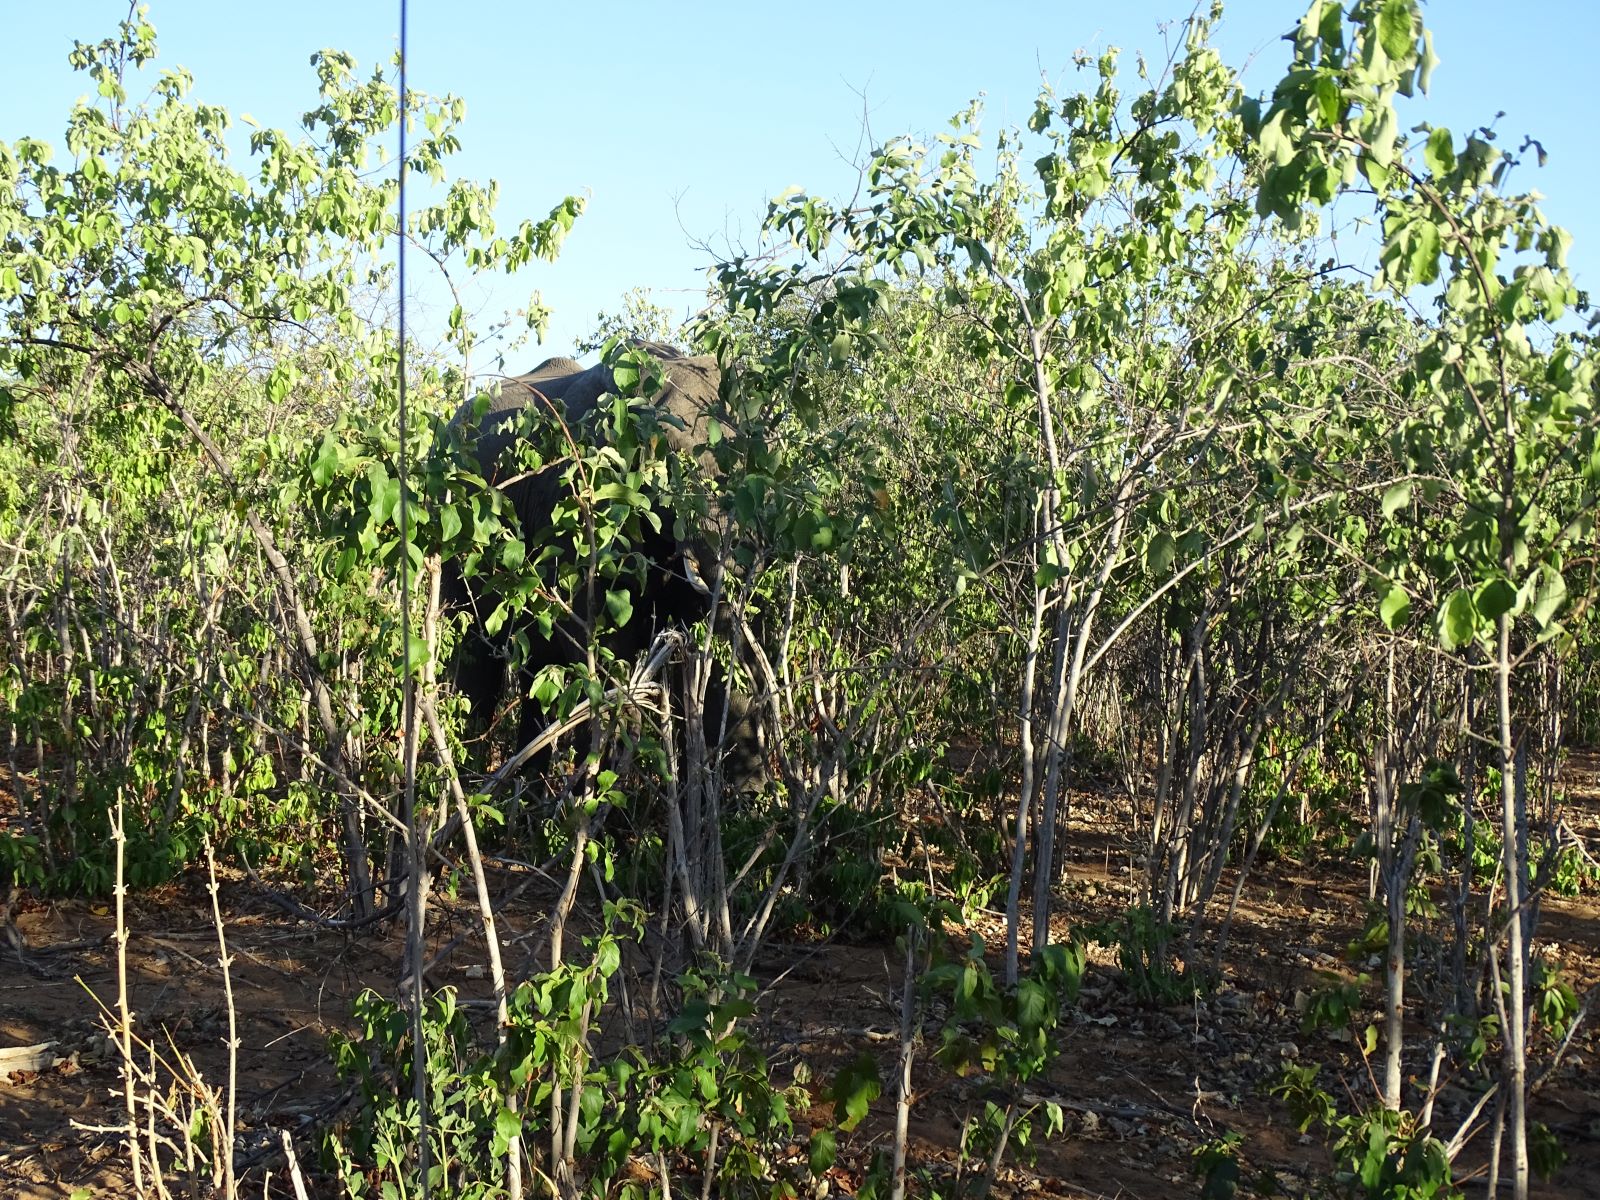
[{"x": 415, "y": 848}]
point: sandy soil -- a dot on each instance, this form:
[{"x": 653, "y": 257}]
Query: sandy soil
[{"x": 1142, "y": 1085}]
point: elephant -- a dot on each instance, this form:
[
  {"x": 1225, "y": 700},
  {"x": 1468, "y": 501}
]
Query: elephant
[{"x": 681, "y": 567}]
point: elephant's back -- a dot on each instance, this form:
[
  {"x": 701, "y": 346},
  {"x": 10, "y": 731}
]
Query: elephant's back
[
  {"x": 563, "y": 387},
  {"x": 548, "y": 383}
]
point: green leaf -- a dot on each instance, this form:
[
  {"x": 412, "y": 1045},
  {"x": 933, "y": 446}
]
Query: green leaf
[
  {"x": 416, "y": 651},
  {"x": 449, "y": 523},
  {"x": 1458, "y": 619},
  {"x": 1395, "y": 607},
  {"x": 1549, "y": 597},
  {"x": 326, "y": 464},
  {"x": 1327, "y": 93},
  {"x": 1035, "y": 1005},
  {"x": 546, "y": 687},
  {"x": 507, "y": 1125},
  {"x": 1430, "y": 60},
  {"x": 854, "y": 1090},
  {"x": 1160, "y": 554},
  {"x": 1396, "y": 31},
  {"x": 385, "y": 492},
  {"x": 279, "y": 381},
  {"x": 824, "y": 1150},
  {"x": 1495, "y": 599},
  {"x": 1440, "y": 153},
  {"x": 620, "y": 605},
  {"x": 1380, "y": 137},
  {"x": 1424, "y": 257},
  {"x": 1396, "y": 498}
]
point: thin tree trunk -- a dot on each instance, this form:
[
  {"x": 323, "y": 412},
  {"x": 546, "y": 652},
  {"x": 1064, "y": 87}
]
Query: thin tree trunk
[
  {"x": 491, "y": 936},
  {"x": 355, "y": 847},
  {"x": 1514, "y": 862},
  {"x": 1019, "y": 844},
  {"x": 903, "y": 1095}
]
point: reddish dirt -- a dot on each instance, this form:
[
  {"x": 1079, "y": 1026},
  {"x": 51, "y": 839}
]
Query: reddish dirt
[{"x": 1142, "y": 1085}]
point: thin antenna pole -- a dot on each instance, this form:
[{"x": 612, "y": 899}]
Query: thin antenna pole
[{"x": 414, "y": 847}]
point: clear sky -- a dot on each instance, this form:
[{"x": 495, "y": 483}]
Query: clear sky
[{"x": 680, "y": 120}]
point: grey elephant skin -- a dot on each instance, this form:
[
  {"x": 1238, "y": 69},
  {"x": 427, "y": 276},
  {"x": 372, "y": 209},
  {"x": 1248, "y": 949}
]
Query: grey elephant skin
[{"x": 686, "y": 403}]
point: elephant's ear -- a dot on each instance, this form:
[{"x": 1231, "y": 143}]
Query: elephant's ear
[{"x": 582, "y": 392}]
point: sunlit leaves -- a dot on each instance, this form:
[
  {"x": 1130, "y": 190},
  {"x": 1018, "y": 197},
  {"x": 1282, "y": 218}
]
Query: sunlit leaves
[
  {"x": 1396, "y": 23},
  {"x": 1395, "y": 607},
  {"x": 1550, "y": 596},
  {"x": 1439, "y": 154},
  {"x": 1458, "y": 619},
  {"x": 1486, "y": 388}
]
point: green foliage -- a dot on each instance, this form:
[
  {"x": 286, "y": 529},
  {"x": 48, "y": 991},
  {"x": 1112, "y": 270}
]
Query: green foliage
[
  {"x": 176, "y": 326},
  {"x": 703, "y": 1094},
  {"x": 1555, "y": 1003},
  {"x": 1378, "y": 1154},
  {"x": 1337, "y": 1004},
  {"x": 1145, "y": 952},
  {"x": 854, "y": 1089},
  {"x": 1574, "y": 874},
  {"x": 1216, "y": 1162},
  {"x": 1055, "y": 454},
  {"x": 1546, "y": 1155},
  {"x": 465, "y": 1107},
  {"x": 1004, "y": 1032},
  {"x": 1007, "y": 1034},
  {"x": 641, "y": 318},
  {"x": 1386, "y": 1157},
  {"x": 1499, "y": 416},
  {"x": 848, "y": 887}
]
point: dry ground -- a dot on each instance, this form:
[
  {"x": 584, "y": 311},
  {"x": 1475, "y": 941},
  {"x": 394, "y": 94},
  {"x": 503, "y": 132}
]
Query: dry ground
[{"x": 1142, "y": 1085}]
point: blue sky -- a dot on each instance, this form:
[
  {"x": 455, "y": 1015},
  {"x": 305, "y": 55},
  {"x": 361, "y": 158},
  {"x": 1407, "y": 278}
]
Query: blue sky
[{"x": 681, "y": 120}]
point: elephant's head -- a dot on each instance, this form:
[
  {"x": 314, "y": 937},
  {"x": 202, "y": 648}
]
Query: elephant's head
[
  {"x": 680, "y": 571},
  {"x": 685, "y": 405}
]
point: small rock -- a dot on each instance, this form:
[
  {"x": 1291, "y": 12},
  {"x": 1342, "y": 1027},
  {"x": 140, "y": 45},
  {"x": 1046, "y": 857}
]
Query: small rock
[{"x": 1288, "y": 1050}]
